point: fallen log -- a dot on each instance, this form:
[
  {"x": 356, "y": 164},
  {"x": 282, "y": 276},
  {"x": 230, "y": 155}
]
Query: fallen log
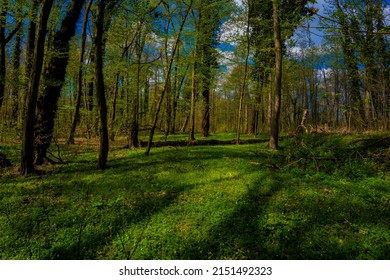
[{"x": 209, "y": 142}]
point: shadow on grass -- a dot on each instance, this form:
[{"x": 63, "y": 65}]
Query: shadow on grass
[{"x": 312, "y": 227}]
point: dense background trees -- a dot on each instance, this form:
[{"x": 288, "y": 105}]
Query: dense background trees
[{"x": 121, "y": 70}]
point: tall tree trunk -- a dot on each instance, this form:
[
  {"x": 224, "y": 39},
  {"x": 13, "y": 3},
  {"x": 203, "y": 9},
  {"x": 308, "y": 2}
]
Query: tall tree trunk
[
  {"x": 114, "y": 101},
  {"x": 27, "y": 159},
  {"x": 30, "y": 49},
  {"x": 243, "y": 86},
  {"x": 53, "y": 80},
  {"x": 76, "y": 117},
  {"x": 99, "y": 84},
  {"x": 274, "y": 138},
  {"x": 3, "y": 17},
  {"x": 16, "y": 77},
  {"x": 193, "y": 100},
  {"x": 139, "y": 48}
]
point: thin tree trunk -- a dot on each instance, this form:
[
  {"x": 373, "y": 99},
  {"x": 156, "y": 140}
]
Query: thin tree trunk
[
  {"x": 3, "y": 17},
  {"x": 16, "y": 78},
  {"x": 243, "y": 87},
  {"x": 30, "y": 50},
  {"x": 114, "y": 98},
  {"x": 27, "y": 160},
  {"x": 76, "y": 117},
  {"x": 193, "y": 100},
  {"x": 274, "y": 138}
]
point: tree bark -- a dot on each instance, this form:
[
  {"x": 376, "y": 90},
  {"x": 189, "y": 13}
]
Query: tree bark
[
  {"x": 99, "y": 84},
  {"x": 27, "y": 160}
]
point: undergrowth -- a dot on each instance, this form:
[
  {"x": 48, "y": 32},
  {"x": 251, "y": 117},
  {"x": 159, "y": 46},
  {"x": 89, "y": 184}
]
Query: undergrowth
[{"x": 318, "y": 197}]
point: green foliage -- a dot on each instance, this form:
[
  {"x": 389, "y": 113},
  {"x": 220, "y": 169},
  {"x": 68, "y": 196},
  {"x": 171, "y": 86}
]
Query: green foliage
[
  {"x": 219, "y": 202},
  {"x": 336, "y": 156}
]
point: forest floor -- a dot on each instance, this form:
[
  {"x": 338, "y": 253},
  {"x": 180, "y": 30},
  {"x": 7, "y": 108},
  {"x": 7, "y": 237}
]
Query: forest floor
[{"x": 318, "y": 197}]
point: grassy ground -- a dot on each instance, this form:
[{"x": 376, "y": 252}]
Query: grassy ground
[{"x": 319, "y": 197}]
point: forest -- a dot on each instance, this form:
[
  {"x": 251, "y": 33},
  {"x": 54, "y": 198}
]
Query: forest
[{"x": 194, "y": 129}]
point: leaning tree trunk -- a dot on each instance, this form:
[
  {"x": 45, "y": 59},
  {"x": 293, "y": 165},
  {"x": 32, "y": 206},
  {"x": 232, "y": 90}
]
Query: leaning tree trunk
[
  {"x": 27, "y": 160},
  {"x": 53, "y": 80},
  {"x": 274, "y": 138}
]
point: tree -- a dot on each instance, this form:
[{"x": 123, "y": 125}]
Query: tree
[
  {"x": 99, "y": 83},
  {"x": 4, "y": 39},
  {"x": 209, "y": 21},
  {"x": 53, "y": 80},
  {"x": 274, "y": 138},
  {"x": 243, "y": 87},
  {"x": 286, "y": 13},
  {"x": 16, "y": 71},
  {"x": 167, "y": 77},
  {"x": 76, "y": 117},
  {"x": 27, "y": 160},
  {"x": 101, "y": 23}
]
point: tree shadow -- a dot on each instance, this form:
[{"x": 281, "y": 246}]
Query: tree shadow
[{"x": 323, "y": 228}]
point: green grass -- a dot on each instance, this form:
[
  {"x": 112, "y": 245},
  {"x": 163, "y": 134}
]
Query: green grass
[{"x": 319, "y": 197}]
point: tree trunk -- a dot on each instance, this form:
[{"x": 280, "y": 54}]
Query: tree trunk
[
  {"x": 243, "y": 86},
  {"x": 27, "y": 160},
  {"x": 29, "y": 51},
  {"x": 193, "y": 101},
  {"x": 205, "y": 132},
  {"x": 3, "y": 17},
  {"x": 76, "y": 117},
  {"x": 274, "y": 138},
  {"x": 53, "y": 80},
  {"x": 16, "y": 77},
  {"x": 99, "y": 84},
  {"x": 114, "y": 99}
]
